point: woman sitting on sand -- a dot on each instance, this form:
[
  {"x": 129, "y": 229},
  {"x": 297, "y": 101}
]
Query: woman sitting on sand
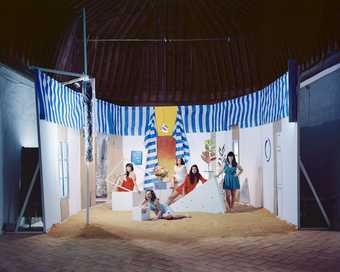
[
  {"x": 151, "y": 202},
  {"x": 189, "y": 184}
]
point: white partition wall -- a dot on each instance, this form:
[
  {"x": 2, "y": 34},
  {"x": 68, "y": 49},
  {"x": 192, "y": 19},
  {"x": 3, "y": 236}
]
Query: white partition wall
[
  {"x": 261, "y": 172},
  {"x": 73, "y": 139},
  {"x": 251, "y": 161},
  {"x": 289, "y": 171},
  {"x": 50, "y": 169},
  {"x": 49, "y": 159},
  {"x": 267, "y": 166},
  {"x": 134, "y": 143},
  {"x": 196, "y": 144}
]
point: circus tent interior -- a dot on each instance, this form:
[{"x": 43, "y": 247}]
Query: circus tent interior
[{"x": 151, "y": 85}]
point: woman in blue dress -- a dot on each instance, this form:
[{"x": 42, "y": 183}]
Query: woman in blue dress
[{"x": 231, "y": 182}]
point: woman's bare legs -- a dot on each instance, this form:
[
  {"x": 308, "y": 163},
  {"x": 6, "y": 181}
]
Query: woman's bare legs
[
  {"x": 173, "y": 184},
  {"x": 228, "y": 199},
  {"x": 174, "y": 217},
  {"x": 174, "y": 195},
  {"x": 234, "y": 197}
]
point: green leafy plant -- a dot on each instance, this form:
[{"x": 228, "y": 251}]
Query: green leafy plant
[{"x": 209, "y": 152}]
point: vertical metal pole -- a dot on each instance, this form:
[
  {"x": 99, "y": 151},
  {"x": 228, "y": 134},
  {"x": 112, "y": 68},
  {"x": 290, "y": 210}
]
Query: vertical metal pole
[
  {"x": 88, "y": 193},
  {"x": 85, "y": 41}
]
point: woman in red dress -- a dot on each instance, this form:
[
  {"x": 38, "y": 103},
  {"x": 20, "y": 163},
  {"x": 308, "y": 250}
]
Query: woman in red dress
[
  {"x": 129, "y": 181},
  {"x": 188, "y": 185}
]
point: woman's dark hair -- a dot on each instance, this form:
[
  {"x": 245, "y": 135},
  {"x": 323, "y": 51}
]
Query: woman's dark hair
[
  {"x": 153, "y": 195},
  {"x": 233, "y": 162},
  {"x": 182, "y": 161},
  {"x": 131, "y": 166},
  {"x": 194, "y": 177}
]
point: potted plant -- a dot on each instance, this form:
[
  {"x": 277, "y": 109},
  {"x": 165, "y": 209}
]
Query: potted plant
[{"x": 209, "y": 152}]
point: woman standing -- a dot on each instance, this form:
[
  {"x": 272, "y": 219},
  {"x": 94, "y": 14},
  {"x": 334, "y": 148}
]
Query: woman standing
[
  {"x": 180, "y": 173},
  {"x": 231, "y": 182},
  {"x": 129, "y": 182},
  {"x": 189, "y": 184}
]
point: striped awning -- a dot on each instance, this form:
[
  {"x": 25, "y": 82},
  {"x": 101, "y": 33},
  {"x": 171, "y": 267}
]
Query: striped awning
[
  {"x": 259, "y": 108},
  {"x": 61, "y": 105},
  {"x": 122, "y": 120},
  {"x": 58, "y": 103}
]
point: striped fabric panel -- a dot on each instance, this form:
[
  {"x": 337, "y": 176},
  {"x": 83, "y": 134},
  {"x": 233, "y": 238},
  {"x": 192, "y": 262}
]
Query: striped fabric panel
[
  {"x": 57, "y": 103},
  {"x": 122, "y": 120},
  {"x": 204, "y": 118},
  {"x": 274, "y": 101},
  {"x": 61, "y": 105},
  {"x": 182, "y": 145},
  {"x": 150, "y": 143},
  {"x": 265, "y": 106}
]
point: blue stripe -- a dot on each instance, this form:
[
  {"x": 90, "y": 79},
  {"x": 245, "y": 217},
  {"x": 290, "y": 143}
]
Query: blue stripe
[
  {"x": 186, "y": 118},
  {"x": 193, "y": 119},
  {"x": 207, "y": 119},
  {"x": 140, "y": 109},
  {"x": 200, "y": 118},
  {"x": 133, "y": 121},
  {"x": 126, "y": 121}
]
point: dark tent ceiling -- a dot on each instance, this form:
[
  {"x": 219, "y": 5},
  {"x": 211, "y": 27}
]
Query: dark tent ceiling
[{"x": 171, "y": 51}]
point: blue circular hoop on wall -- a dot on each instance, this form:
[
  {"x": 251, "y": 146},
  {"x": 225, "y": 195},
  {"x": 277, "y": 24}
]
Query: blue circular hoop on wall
[{"x": 267, "y": 149}]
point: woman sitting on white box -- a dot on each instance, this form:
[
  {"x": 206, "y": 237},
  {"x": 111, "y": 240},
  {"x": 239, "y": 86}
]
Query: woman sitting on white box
[
  {"x": 151, "y": 202},
  {"x": 128, "y": 183},
  {"x": 180, "y": 172}
]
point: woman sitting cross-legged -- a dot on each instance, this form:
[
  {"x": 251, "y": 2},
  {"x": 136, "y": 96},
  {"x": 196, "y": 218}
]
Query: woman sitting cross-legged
[
  {"x": 189, "y": 184},
  {"x": 151, "y": 202}
]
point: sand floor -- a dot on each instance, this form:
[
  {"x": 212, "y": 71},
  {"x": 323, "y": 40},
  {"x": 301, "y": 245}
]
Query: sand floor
[{"x": 106, "y": 224}]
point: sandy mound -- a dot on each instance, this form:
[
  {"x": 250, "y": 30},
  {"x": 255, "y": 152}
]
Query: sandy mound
[{"x": 106, "y": 224}]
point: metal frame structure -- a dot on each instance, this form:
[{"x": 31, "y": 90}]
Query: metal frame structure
[{"x": 79, "y": 77}]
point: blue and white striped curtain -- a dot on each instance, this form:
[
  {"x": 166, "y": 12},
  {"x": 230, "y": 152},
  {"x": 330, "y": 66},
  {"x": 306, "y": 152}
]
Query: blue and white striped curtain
[
  {"x": 58, "y": 103},
  {"x": 204, "y": 118},
  {"x": 150, "y": 143},
  {"x": 265, "y": 106},
  {"x": 122, "y": 120},
  {"x": 61, "y": 105},
  {"x": 182, "y": 145}
]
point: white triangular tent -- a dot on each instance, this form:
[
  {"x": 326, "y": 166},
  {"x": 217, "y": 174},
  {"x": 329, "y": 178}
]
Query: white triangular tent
[{"x": 205, "y": 198}]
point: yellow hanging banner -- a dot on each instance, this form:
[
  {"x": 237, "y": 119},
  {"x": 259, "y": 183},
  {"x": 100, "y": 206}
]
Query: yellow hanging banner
[{"x": 165, "y": 120}]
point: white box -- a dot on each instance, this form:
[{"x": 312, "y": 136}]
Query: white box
[
  {"x": 125, "y": 201},
  {"x": 138, "y": 215}
]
